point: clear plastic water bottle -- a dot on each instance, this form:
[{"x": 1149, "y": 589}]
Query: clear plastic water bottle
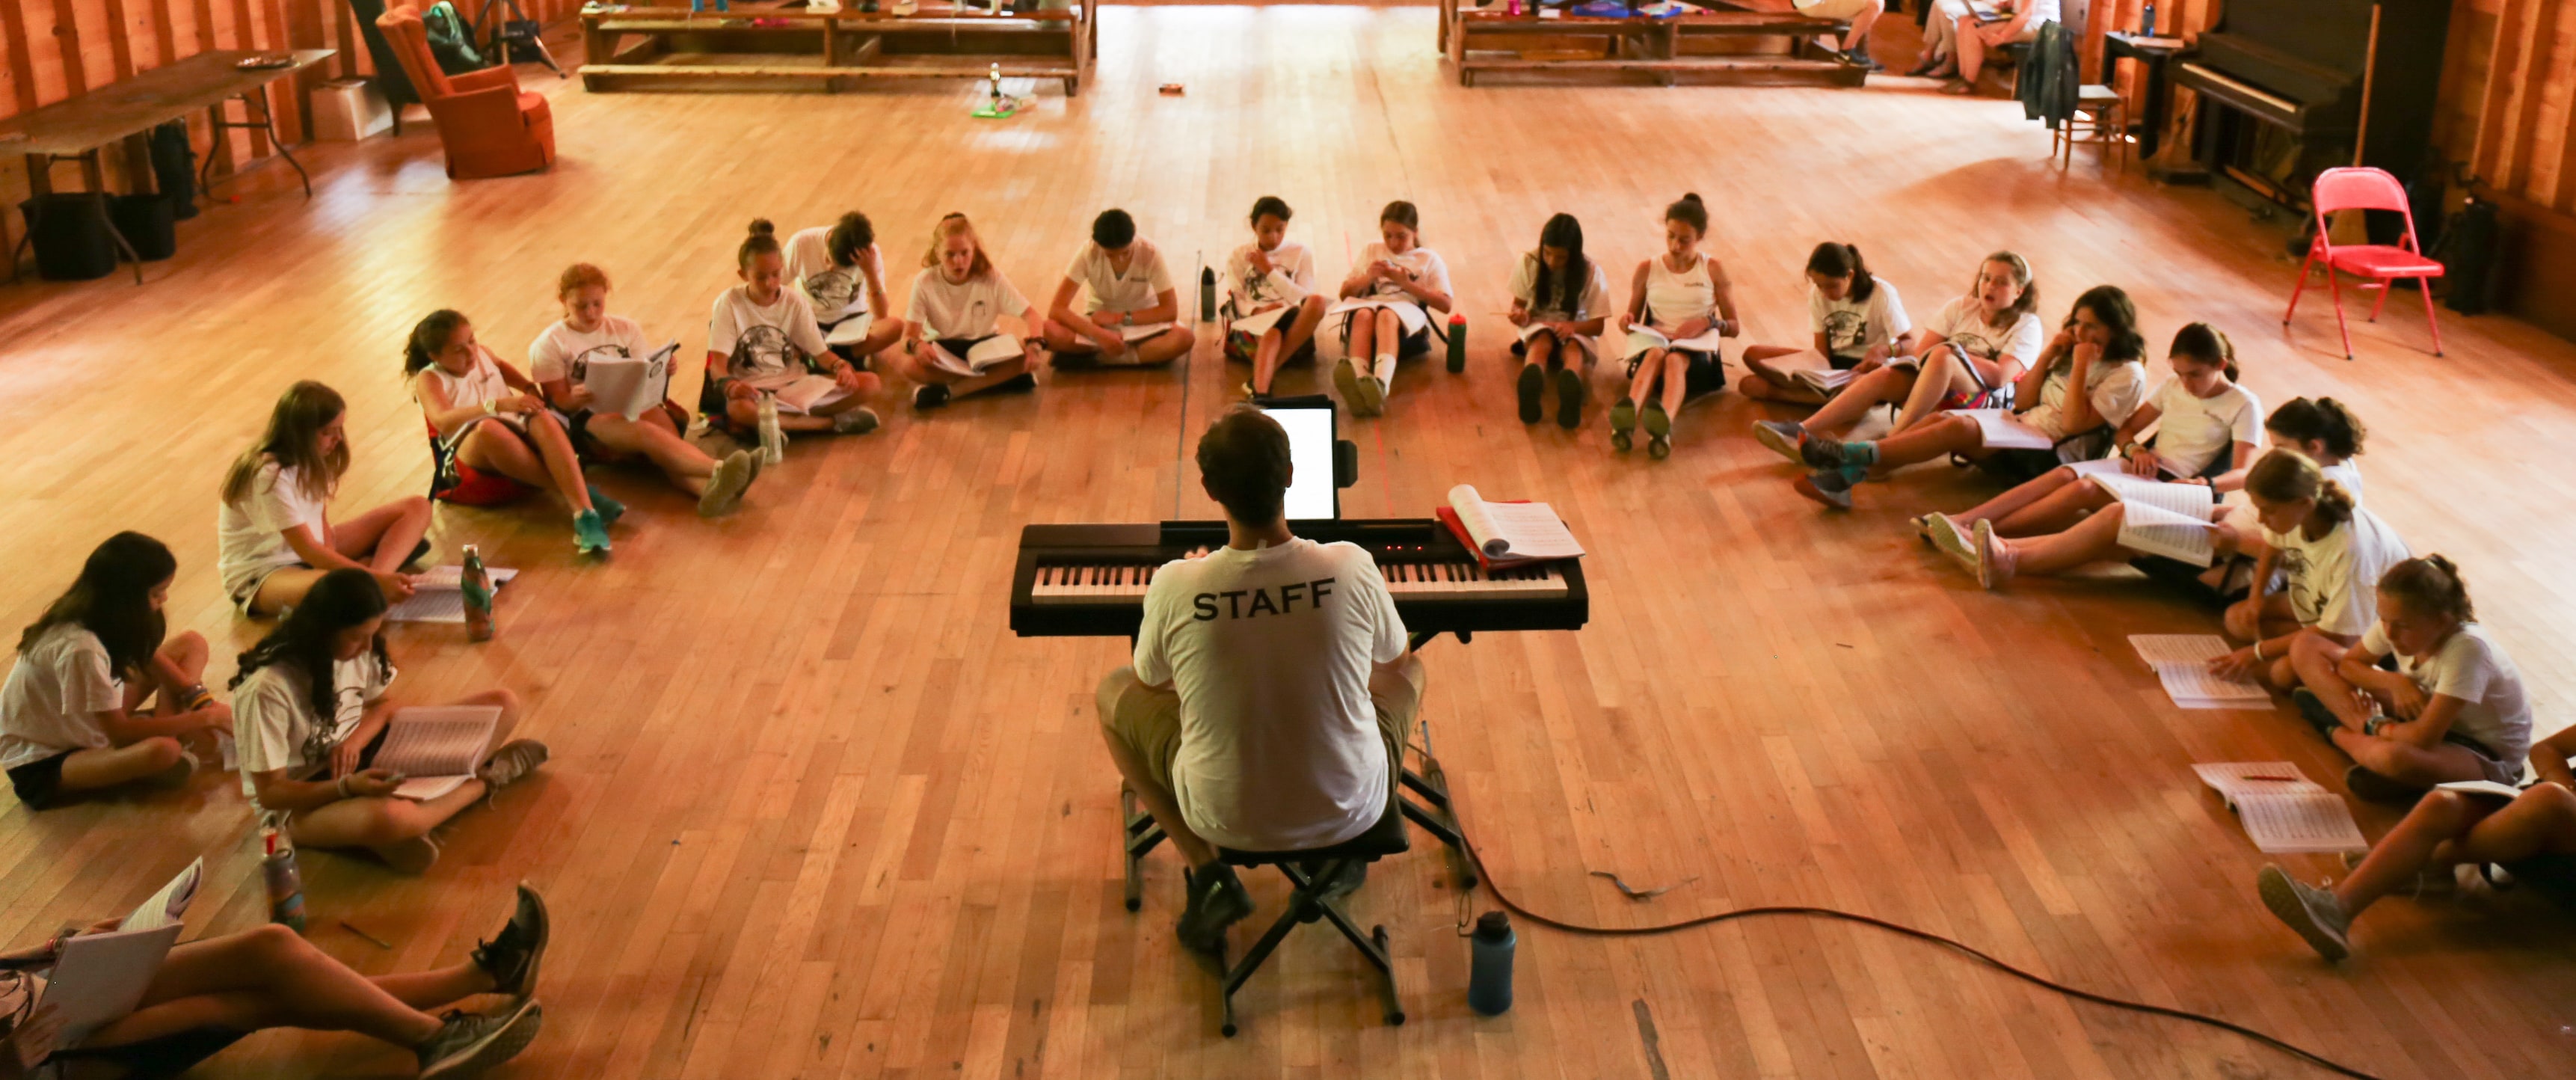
[
  {"x": 1489, "y": 977},
  {"x": 773, "y": 442}
]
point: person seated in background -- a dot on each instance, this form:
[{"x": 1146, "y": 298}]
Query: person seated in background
[
  {"x": 2325, "y": 552},
  {"x": 2453, "y": 709},
  {"x": 2532, "y": 836},
  {"x": 1402, "y": 283},
  {"x": 1131, "y": 292},
  {"x": 312, "y": 716},
  {"x": 1680, "y": 295},
  {"x": 2016, "y": 22},
  {"x": 72, "y": 713},
  {"x": 1857, "y": 320},
  {"x": 1271, "y": 687},
  {"x": 1970, "y": 355},
  {"x": 209, "y": 993},
  {"x": 489, "y": 417},
  {"x": 762, "y": 338},
  {"x": 1560, "y": 302},
  {"x": 559, "y": 360},
  {"x": 1271, "y": 306},
  {"x": 842, "y": 275},
  {"x": 274, "y": 537},
  {"x": 957, "y": 301},
  {"x": 1861, "y": 14}
]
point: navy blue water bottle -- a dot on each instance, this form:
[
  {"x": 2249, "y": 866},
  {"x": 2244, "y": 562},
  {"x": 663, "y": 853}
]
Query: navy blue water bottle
[
  {"x": 1489, "y": 979},
  {"x": 1207, "y": 294}
]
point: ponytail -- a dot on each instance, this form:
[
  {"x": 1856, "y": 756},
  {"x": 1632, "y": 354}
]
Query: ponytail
[
  {"x": 1843, "y": 260},
  {"x": 2323, "y": 420},
  {"x": 427, "y": 337},
  {"x": 2288, "y": 476},
  {"x": 2205, "y": 344},
  {"x": 2429, "y": 586}
]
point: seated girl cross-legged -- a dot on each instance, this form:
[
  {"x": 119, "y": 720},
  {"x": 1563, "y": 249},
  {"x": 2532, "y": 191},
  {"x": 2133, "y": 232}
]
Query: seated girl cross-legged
[
  {"x": 1680, "y": 304},
  {"x": 274, "y": 534},
  {"x": 2453, "y": 709},
  {"x": 311, "y": 717},
  {"x": 762, "y": 339},
  {"x": 1271, "y": 306},
  {"x": 560, "y": 360},
  {"x": 953, "y": 340},
  {"x": 842, "y": 275},
  {"x": 489, "y": 417},
  {"x": 1858, "y": 323},
  {"x": 1560, "y": 302},
  {"x": 1132, "y": 320},
  {"x": 1386, "y": 308}
]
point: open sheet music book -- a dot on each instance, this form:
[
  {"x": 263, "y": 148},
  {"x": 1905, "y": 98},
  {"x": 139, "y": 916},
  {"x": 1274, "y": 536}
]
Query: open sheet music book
[
  {"x": 439, "y": 595},
  {"x": 1641, "y": 337},
  {"x": 990, "y": 353},
  {"x": 1826, "y": 381},
  {"x": 2181, "y": 663},
  {"x": 99, "y": 978},
  {"x": 1142, "y": 331},
  {"x": 2005, "y": 431},
  {"x": 436, "y": 749},
  {"x": 1511, "y": 533},
  {"x": 2282, "y": 810},
  {"x": 809, "y": 393},
  {"x": 2157, "y": 517},
  {"x": 2482, "y": 787},
  {"x": 629, "y": 386},
  {"x": 855, "y": 322},
  {"x": 1260, "y": 322}
]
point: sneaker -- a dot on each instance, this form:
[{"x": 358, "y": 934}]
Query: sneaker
[
  {"x": 2313, "y": 710},
  {"x": 726, "y": 485},
  {"x": 511, "y": 763},
  {"x": 928, "y": 396},
  {"x": 1250, "y": 394},
  {"x": 1828, "y": 487},
  {"x": 589, "y": 533},
  {"x": 419, "y": 551},
  {"x": 1825, "y": 453},
  {"x": 2313, "y": 912},
  {"x": 1859, "y": 54},
  {"x": 1569, "y": 398},
  {"x": 609, "y": 509},
  {"x": 469, "y": 1043},
  {"x": 1659, "y": 447},
  {"x": 1623, "y": 419},
  {"x": 1017, "y": 384},
  {"x": 1346, "y": 382},
  {"x": 1533, "y": 386},
  {"x": 1782, "y": 437},
  {"x": 1948, "y": 539},
  {"x": 859, "y": 421},
  {"x": 512, "y": 956},
  {"x": 754, "y": 455},
  {"x": 1994, "y": 564},
  {"x": 1655, "y": 420},
  {"x": 1217, "y": 899},
  {"x": 2369, "y": 786}
]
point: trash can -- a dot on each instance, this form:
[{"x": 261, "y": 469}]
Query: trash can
[
  {"x": 149, "y": 222},
  {"x": 70, "y": 236}
]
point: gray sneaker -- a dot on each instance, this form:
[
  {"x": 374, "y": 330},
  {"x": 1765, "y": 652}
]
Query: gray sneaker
[
  {"x": 513, "y": 956},
  {"x": 726, "y": 485},
  {"x": 469, "y": 1043},
  {"x": 2313, "y": 912},
  {"x": 512, "y": 762},
  {"x": 858, "y": 421},
  {"x": 1217, "y": 899},
  {"x": 1782, "y": 437}
]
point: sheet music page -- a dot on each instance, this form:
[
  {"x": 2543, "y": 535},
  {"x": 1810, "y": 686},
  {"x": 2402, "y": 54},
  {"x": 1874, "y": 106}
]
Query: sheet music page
[
  {"x": 1515, "y": 530},
  {"x": 1260, "y": 322},
  {"x": 2184, "y": 500},
  {"x": 2192, "y": 683},
  {"x": 2160, "y": 649},
  {"x": 432, "y": 743},
  {"x": 2482, "y": 787},
  {"x": 1641, "y": 337},
  {"x": 1141, "y": 331},
  {"x": 1823, "y": 380},
  {"x": 2237, "y": 778},
  {"x": 438, "y": 595},
  {"x": 993, "y": 351},
  {"x": 815, "y": 391},
  {"x": 2098, "y": 467},
  {"x": 2004, "y": 431},
  {"x": 2303, "y": 821},
  {"x": 2155, "y": 531},
  {"x": 99, "y": 978},
  {"x": 170, "y": 905}
]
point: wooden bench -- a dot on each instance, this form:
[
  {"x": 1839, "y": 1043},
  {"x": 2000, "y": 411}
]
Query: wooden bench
[
  {"x": 761, "y": 47},
  {"x": 1721, "y": 41}
]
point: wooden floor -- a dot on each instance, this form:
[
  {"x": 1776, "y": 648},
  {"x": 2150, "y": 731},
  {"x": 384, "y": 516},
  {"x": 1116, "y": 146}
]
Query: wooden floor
[{"x": 814, "y": 811}]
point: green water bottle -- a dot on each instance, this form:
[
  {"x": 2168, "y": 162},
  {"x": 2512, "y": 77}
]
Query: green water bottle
[
  {"x": 1457, "y": 343},
  {"x": 476, "y": 583}
]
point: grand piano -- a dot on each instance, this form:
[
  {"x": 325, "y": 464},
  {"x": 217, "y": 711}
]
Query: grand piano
[{"x": 2282, "y": 83}]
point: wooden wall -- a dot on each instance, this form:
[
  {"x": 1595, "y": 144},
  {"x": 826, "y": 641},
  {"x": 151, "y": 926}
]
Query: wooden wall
[{"x": 2508, "y": 116}]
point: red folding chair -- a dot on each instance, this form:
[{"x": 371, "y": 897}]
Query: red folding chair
[{"x": 2366, "y": 189}]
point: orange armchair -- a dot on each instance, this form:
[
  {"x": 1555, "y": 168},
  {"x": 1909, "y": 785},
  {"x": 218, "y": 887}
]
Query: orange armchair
[{"x": 489, "y": 127}]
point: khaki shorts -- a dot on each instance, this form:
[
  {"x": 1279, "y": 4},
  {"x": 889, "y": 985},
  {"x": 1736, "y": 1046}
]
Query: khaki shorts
[
  {"x": 1845, "y": 10},
  {"x": 1148, "y": 721}
]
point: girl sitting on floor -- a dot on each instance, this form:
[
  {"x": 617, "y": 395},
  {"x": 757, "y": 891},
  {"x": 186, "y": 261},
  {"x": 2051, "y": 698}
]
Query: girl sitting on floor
[
  {"x": 1133, "y": 317},
  {"x": 1857, "y": 320},
  {"x": 488, "y": 417},
  {"x": 2452, "y": 710},
  {"x": 762, "y": 339},
  {"x": 1398, "y": 283},
  {"x": 1680, "y": 296},
  {"x": 72, "y": 714},
  {"x": 2088, "y": 380},
  {"x": 953, "y": 343},
  {"x": 274, "y": 536},
  {"x": 1271, "y": 306},
  {"x": 842, "y": 275},
  {"x": 311, "y": 717},
  {"x": 1970, "y": 355},
  {"x": 559, "y": 359},
  {"x": 2322, "y": 550},
  {"x": 1560, "y": 301}
]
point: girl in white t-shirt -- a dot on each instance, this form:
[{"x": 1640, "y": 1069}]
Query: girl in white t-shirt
[
  {"x": 762, "y": 338},
  {"x": 311, "y": 715},
  {"x": 72, "y": 714},
  {"x": 1970, "y": 354},
  {"x": 559, "y": 360},
  {"x": 1857, "y": 320},
  {"x": 1134, "y": 316},
  {"x": 1680, "y": 295},
  {"x": 2453, "y": 710},
  {"x": 1271, "y": 306},
  {"x": 842, "y": 275},
  {"x": 274, "y": 536},
  {"x": 1401, "y": 283},
  {"x": 486, "y": 416},
  {"x": 1560, "y": 302},
  {"x": 2088, "y": 381},
  {"x": 956, "y": 304},
  {"x": 2323, "y": 554}
]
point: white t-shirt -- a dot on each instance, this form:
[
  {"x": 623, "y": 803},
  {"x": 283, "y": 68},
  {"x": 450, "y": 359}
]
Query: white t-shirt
[
  {"x": 967, "y": 309},
  {"x": 1961, "y": 321},
  {"x": 2471, "y": 667},
  {"x": 250, "y": 536},
  {"x": 765, "y": 347},
  {"x": 481, "y": 382},
  {"x": 2346, "y": 474},
  {"x": 1271, "y": 653},
  {"x": 273, "y": 722},
  {"x": 1592, "y": 303},
  {"x": 1853, "y": 327},
  {"x": 2194, "y": 432},
  {"x": 2334, "y": 580},
  {"x": 561, "y": 352},
  {"x": 1141, "y": 287},
  {"x": 55, "y": 692},
  {"x": 1291, "y": 278},
  {"x": 837, "y": 292},
  {"x": 1421, "y": 264},
  {"x": 2115, "y": 387}
]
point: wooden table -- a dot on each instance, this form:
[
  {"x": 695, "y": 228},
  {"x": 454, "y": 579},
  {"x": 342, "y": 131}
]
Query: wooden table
[
  {"x": 2151, "y": 54},
  {"x": 837, "y": 48},
  {"x": 79, "y": 128},
  {"x": 1561, "y": 42}
]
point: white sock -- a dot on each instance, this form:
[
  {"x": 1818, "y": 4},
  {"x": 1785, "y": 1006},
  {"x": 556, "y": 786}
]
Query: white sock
[{"x": 1385, "y": 373}]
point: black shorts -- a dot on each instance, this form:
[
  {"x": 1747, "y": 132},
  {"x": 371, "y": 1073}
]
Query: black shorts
[
  {"x": 2020, "y": 466},
  {"x": 1842, "y": 363},
  {"x": 39, "y": 783},
  {"x": 958, "y": 346},
  {"x": 2552, "y": 876},
  {"x": 1417, "y": 343},
  {"x": 589, "y": 448},
  {"x": 158, "y": 1059},
  {"x": 1706, "y": 373}
]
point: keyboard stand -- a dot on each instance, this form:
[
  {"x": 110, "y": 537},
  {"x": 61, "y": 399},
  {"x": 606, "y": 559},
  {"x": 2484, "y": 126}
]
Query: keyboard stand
[{"x": 1424, "y": 795}]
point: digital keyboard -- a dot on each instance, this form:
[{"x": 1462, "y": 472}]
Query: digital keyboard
[{"x": 1090, "y": 580}]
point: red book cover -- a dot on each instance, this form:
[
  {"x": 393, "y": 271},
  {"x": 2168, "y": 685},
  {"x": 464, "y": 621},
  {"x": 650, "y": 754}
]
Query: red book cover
[{"x": 1458, "y": 528}]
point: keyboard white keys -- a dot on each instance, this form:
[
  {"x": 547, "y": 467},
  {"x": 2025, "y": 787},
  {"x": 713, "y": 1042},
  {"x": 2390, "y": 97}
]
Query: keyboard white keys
[{"x": 1126, "y": 583}]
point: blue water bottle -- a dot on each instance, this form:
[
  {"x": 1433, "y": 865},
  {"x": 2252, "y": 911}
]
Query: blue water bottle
[{"x": 1489, "y": 979}]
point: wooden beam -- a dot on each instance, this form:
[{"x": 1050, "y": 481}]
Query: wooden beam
[
  {"x": 67, "y": 43},
  {"x": 22, "y": 64},
  {"x": 2486, "y": 155},
  {"x": 2531, "y": 77},
  {"x": 120, "y": 50}
]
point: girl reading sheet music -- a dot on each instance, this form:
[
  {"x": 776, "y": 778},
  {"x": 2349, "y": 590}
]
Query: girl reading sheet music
[
  {"x": 1133, "y": 317},
  {"x": 1560, "y": 302},
  {"x": 311, "y": 716},
  {"x": 842, "y": 275},
  {"x": 953, "y": 341},
  {"x": 1969, "y": 354},
  {"x": 2453, "y": 709},
  {"x": 1679, "y": 305},
  {"x": 1271, "y": 306},
  {"x": 487, "y": 416},
  {"x": 2087, "y": 381},
  {"x": 1858, "y": 323},
  {"x": 560, "y": 358},
  {"x": 1386, "y": 308},
  {"x": 762, "y": 339},
  {"x": 274, "y": 534},
  {"x": 73, "y": 713}
]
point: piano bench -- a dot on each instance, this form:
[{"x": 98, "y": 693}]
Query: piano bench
[{"x": 1310, "y": 873}]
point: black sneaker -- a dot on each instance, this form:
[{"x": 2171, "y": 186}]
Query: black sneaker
[
  {"x": 928, "y": 396},
  {"x": 1569, "y": 397},
  {"x": 1860, "y": 55},
  {"x": 513, "y": 955},
  {"x": 1020, "y": 383},
  {"x": 1821, "y": 453},
  {"x": 1217, "y": 900},
  {"x": 2369, "y": 786},
  {"x": 2313, "y": 710},
  {"x": 1533, "y": 384},
  {"x": 468, "y": 1043}
]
